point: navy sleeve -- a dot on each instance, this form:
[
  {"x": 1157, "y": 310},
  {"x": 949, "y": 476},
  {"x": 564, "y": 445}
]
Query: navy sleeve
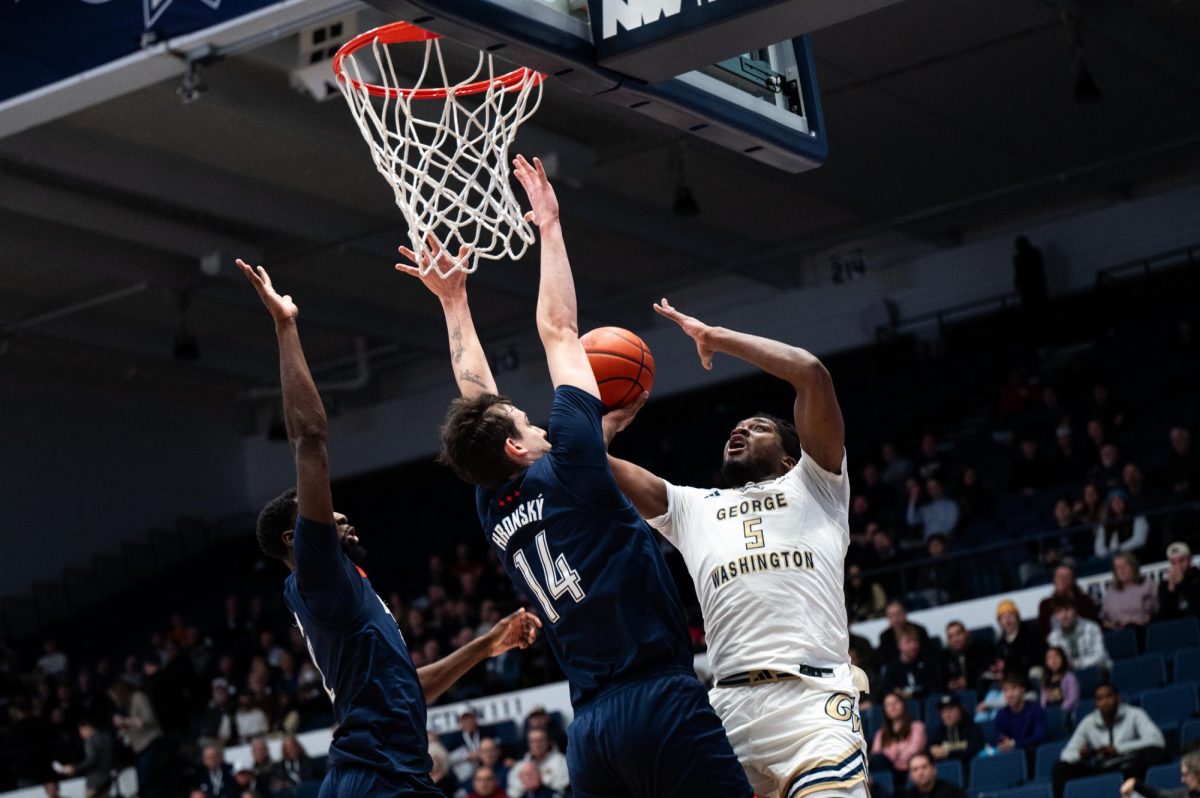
[
  {"x": 328, "y": 582},
  {"x": 578, "y": 453}
]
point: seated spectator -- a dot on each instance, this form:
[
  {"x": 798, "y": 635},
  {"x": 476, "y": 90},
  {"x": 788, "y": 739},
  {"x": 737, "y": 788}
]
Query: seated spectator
[
  {"x": 1181, "y": 474},
  {"x": 957, "y": 737},
  {"x": 549, "y": 764},
  {"x": 216, "y": 781},
  {"x": 1189, "y": 775},
  {"x": 1031, "y": 470},
  {"x": 533, "y": 785},
  {"x": 911, "y": 674},
  {"x": 294, "y": 767},
  {"x": 96, "y": 767},
  {"x": 899, "y": 738},
  {"x": 937, "y": 516},
  {"x": 925, "y": 783},
  {"x": 440, "y": 773},
  {"x": 965, "y": 660},
  {"x": 865, "y": 599},
  {"x": 463, "y": 756},
  {"x": 244, "y": 781},
  {"x": 1067, "y": 463},
  {"x": 1019, "y": 723},
  {"x": 884, "y": 554},
  {"x": 974, "y": 502},
  {"x": 937, "y": 581},
  {"x": 1090, "y": 507},
  {"x": 863, "y": 656},
  {"x": 250, "y": 719},
  {"x": 1059, "y": 685},
  {"x": 1131, "y": 600},
  {"x": 1120, "y": 529},
  {"x": 1066, "y": 587},
  {"x": 1179, "y": 591},
  {"x": 260, "y": 757},
  {"x": 485, "y": 784},
  {"x": 1107, "y": 473},
  {"x": 897, "y": 617},
  {"x": 930, "y": 462},
  {"x": 1080, "y": 638},
  {"x": 1097, "y": 436},
  {"x": 491, "y": 756},
  {"x": 1114, "y": 737},
  {"x": 1105, "y": 408},
  {"x": 1017, "y": 650},
  {"x": 860, "y": 515},
  {"x": 216, "y": 723},
  {"x": 896, "y": 467},
  {"x": 882, "y": 497},
  {"x": 1133, "y": 481}
]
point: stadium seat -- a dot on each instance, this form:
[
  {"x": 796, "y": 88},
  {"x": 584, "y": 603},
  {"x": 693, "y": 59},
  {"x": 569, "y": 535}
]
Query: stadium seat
[
  {"x": 1170, "y": 706},
  {"x": 1164, "y": 777},
  {"x": 985, "y": 633},
  {"x": 1045, "y": 758},
  {"x": 1056, "y": 723},
  {"x": 1089, "y": 680},
  {"x": 1094, "y": 786},
  {"x": 998, "y": 771},
  {"x": 508, "y": 733},
  {"x": 1121, "y": 643},
  {"x": 1028, "y": 791},
  {"x": 1187, "y": 665},
  {"x": 1139, "y": 674},
  {"x": 1083, "y": 709},
  {"x": 1165, "y": 637},
  {"x": 987, "y": 729},
  {"x": 951, "y": 770},
  {"x": 1189, "y": 732}
]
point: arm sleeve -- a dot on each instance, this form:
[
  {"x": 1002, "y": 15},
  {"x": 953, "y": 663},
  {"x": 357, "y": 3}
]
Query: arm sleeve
[
  {"x": 677, "y": 518},
  {"x": 328, "y": 582},
  {"x": 1141, "y": 530},
  {"x": 1070, "y": 691},
  {"x": 832, "y": 491},
  {"x": 1148, "y": 735},
  {"x": 1071, "y": 752}
]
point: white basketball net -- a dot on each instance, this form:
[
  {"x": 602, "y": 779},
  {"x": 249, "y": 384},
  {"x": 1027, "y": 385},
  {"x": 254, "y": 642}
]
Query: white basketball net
[{"x": 450, "y": 175}]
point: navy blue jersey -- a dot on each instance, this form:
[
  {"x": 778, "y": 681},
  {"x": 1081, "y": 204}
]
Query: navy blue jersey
[
  {"x": 571, "y": 540},
  {"x": 378, "y": 705}
]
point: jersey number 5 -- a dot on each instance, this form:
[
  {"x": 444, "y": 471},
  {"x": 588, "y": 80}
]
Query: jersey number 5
[{"x": 561, "y": 579}]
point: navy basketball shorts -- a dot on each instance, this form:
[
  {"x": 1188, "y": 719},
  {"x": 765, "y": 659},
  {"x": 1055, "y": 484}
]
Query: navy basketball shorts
[
  {"x": 654, "y": 737},
  {"x": 349, "y": 780}
]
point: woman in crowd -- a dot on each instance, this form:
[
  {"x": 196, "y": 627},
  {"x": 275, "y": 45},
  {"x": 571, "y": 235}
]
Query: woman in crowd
[
  {"x": 899, "y": 738},
  {"x": 1120, "y": 530},
  {"x": 1059, "y": 685},
  {"x": 1090, "y": 507},
  {"x": 1131, "y": 600}
]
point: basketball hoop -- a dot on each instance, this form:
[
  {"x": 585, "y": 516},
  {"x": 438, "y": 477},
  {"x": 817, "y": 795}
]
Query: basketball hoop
[{"x": 449, "y": 174}]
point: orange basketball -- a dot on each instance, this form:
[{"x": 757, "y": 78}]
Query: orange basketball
[{"x": 622, "y": 364}]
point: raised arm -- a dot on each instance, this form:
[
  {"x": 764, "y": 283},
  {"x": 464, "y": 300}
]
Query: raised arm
[
  {"x": 817, "y": 415},
  {"x": 471, "y": 370},
  {"x": 518, "y": 630},
  {"x": 557, "y": 313},
  {"x": 647, "y": 491},
  {"x": 303, "y": 413}
]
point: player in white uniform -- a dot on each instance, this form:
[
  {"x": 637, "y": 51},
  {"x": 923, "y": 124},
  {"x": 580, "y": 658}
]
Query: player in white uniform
[{"x": 767, "y": 559}]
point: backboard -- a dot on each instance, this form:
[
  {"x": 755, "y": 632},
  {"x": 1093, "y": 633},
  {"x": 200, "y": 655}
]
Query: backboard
[{"x": 708, "y": 67}]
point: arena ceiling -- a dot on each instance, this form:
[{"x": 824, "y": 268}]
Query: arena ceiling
[{"x": 946, "y": 119}]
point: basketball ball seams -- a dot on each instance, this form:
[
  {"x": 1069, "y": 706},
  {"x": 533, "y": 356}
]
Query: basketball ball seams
[{"x": 622, "y": 364}]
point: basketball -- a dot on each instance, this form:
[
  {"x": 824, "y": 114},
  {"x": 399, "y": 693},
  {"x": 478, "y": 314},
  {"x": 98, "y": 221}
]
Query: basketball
[{"x": 622, "y": 364}]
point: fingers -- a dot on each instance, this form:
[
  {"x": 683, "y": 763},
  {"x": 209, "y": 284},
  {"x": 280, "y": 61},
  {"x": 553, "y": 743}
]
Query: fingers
[
  {"x": 663, "y": 308},
  {"x": 248, "y": 270},
  {"x": 530, "y": 217},
  {"x": 640, "y": 402},
  {"x": 408, "y": 253},
  {"x": 541, "y": 170}
]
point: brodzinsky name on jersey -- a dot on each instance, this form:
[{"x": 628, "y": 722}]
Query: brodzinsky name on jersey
[
  {"x": 725, "y": 573},
  {"x": 525, "y": 514}
]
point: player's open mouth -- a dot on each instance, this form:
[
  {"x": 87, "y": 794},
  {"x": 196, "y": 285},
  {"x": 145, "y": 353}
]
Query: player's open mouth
[{"x": 736, "y": 445}]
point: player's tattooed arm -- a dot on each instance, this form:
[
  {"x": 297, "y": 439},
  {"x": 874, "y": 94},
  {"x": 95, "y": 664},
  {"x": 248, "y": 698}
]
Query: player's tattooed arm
[
  {"x": 518, "y": 630},
  {"x": 817, "y": 415},
  {"x": 303, "y": 413},
  {"x": 467, "y": 359}
]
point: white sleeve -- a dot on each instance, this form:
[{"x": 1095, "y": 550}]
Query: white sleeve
[
  {"x": 677, "y": 519},
  {"x": 832, "y": 491}
]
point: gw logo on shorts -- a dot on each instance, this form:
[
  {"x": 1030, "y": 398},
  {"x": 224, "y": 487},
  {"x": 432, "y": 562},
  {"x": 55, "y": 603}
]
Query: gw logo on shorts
[{"x": 840, "y": 706}]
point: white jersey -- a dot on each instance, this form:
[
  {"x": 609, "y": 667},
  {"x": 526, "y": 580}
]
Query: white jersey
[{"x": 768, "y": 561}]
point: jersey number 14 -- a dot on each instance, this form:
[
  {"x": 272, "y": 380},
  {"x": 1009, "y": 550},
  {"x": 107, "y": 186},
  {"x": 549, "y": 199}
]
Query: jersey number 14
[{"x": 561, "y": 578}]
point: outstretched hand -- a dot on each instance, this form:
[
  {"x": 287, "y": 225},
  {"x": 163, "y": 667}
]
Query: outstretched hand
[
  {"x": 282, "y": 308},
  {"x": 518, "y": 630},
  {"x": 542, "y": 199},
  {"x": 444, "y": 280},
  {"x": 695, "y": 328},
  {"x": 616, "y": 420}
]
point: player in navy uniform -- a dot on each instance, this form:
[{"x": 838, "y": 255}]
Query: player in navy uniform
[
  {"x": 567, "y": 536},
  {"x": 380, "y": 745}
]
